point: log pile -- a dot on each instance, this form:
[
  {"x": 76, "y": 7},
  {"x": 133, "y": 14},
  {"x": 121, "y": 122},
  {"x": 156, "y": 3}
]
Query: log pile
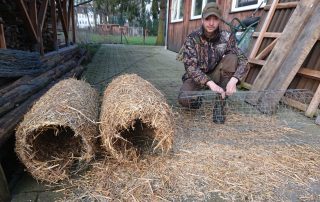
[{"x": 30, "y": 81}]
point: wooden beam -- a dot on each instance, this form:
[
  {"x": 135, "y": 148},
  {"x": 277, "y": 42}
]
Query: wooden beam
[
  {"x": 65, "y": 12},
  {"x": 284, "y": 46},
  {"x": 33, "y": 12},
  {"x": 314, "y": 104},
  {"x": 267, "y": 34},
  {"x": 309, "y": 73},
  {"x": 2, "y": 37},
  {"x": 296, "y": 104},
  {"x": 263, "y": 54},
  {"x": 27, "y": 19},
  {"x": 297, "y": 54},
  {"x": 264, "y": 29},
  {"x": 41, "y": 18},
  {"x": 63, "y": 22},
  {"x": 256, "y": 61},
  {"x": 42, "y": 13},
  {"x": 70, "y": 7},
  {"x": 54, "y": 24},
  {"x": 73, "y": 23},
  {"x": 283, "y": 5}
]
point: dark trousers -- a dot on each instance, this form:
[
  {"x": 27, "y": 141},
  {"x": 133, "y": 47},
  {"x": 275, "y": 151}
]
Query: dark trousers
[{"x": 221, "y": 76}]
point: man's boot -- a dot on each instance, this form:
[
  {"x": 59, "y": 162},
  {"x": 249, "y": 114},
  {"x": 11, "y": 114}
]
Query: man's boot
[{"x": 219, "y": 115}]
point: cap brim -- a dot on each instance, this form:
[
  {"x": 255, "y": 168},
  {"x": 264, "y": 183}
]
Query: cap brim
[{"x": 212, "y": 13}]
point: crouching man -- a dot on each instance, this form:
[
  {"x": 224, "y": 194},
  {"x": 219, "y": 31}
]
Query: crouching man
[{"x": 211, "y": 59}]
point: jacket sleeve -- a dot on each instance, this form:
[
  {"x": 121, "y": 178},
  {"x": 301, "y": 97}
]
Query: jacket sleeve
[
  {"x": 190, "y": 60},
  {"x": 243, "y": 66}
]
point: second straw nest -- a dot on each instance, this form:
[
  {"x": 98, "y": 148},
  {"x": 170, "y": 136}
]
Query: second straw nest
[{"x": 135, "y": 117}]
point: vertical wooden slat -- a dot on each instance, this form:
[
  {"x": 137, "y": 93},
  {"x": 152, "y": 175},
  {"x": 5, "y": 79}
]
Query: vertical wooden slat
[
  {"x": 54, "y": 24},
  {"x": 65, "y": 13},
  {"x": 73, "y": 22},
  {"x": 33, "y": 12},
  {"x": 63, "y": 22},
  {"x": 41, "y": 18},
  {"x": 314, "y": 104},
  {"x": 2, "y": 37},
  {"x": 318, "y": 120}
]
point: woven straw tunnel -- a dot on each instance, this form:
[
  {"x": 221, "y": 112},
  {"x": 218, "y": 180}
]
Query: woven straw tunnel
[
  {"x": 135, "y": 117},
  {"x": 57, "y": 136}
]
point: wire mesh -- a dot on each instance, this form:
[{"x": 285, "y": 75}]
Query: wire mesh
[{"x": 208, "y": 112}]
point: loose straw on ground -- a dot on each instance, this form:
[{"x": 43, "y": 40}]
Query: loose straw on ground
[
  {"x": 57, "y": 135},
  {"x": 135, "y": 117}
]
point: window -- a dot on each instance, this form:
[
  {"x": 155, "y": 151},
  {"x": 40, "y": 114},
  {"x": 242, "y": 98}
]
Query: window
[
  {"x": 243, "y": 5},
  {"x": 197, "y": 7},
  {"x": 177, "y": 9}
]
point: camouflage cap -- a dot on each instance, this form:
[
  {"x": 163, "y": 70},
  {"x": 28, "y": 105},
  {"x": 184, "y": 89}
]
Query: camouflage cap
[{"x": 211, "y": 9}]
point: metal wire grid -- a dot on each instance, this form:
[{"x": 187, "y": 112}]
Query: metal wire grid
[{"x": 239, "y": 114}]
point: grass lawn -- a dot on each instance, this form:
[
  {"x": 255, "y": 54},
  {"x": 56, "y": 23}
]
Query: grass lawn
[{"x": 89, "y": 37}]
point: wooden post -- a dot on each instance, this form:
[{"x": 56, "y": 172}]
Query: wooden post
[
  {"x": 295, "y": 57},
  {"x": 314, "y": 104},
  {"x": 283, "y": 46},
  {"x": 73, "y": 22},
  {"x": 318, "y": 120},
  {"x": 4, "y": 190},
  {"x": 54, "y": 24},
  {"x": 63, "y": 21},
  {"x": 41, "y": 18},
  {"x": 2, "y": 37}
]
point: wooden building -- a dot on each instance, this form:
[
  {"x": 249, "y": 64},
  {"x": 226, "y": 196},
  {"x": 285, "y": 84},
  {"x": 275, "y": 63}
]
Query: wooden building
[
  {"x": 185, "y": 16},
  {"x": 36, "y": 25}
]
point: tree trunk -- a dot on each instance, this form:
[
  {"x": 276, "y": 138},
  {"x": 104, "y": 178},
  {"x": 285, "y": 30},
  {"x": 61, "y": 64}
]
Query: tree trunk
[{"x": 161, "y": 26}]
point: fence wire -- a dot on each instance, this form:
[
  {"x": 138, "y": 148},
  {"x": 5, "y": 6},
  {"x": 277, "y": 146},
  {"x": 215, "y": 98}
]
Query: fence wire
[{"x": 208, "y": 112}]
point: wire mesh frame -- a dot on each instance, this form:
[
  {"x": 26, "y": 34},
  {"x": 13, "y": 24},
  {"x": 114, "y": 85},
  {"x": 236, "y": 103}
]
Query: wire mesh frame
[{"x": 238, "y": 114}]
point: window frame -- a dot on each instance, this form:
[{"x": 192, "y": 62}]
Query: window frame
[
  {"x": 180, "y": 19},
  {"x": 195, "y": 17},
  {"x": 246, "y": 8}
]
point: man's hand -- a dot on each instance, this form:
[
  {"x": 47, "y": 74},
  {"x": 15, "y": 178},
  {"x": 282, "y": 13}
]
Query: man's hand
[
  {"x": 231, "y": 86},
  {"x": 214, "y": 87}
]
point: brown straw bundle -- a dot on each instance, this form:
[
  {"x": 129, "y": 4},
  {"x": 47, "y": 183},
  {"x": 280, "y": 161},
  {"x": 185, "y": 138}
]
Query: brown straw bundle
[
  {"x": 135, "y": 117},
  {"x": 57, "y": 136}
]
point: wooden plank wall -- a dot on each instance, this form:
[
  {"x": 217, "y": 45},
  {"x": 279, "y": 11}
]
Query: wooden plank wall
[{"x": 179, "y": 30}]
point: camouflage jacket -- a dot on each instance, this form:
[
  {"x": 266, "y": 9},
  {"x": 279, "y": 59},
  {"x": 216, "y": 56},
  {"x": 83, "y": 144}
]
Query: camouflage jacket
[{"x": 201, "y": 55}]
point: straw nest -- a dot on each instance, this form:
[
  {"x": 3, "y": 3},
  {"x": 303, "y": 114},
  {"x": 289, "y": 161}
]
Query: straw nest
[
  {"x": 135, "y": 118},
  {"x": 56, "y": 137}
]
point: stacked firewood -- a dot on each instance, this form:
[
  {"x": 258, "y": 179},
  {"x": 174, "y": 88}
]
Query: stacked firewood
[{"x": 25, "y": 76}]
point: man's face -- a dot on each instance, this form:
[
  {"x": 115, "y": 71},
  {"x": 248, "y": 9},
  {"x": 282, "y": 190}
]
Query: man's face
[{"x": 211, "y": 23}]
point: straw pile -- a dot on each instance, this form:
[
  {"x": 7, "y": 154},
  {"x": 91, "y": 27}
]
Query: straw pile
[
  {"x": 221, "y": 164},
  {"x": 56, "y": 137},
  {"x": 135, "y": 118}
]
